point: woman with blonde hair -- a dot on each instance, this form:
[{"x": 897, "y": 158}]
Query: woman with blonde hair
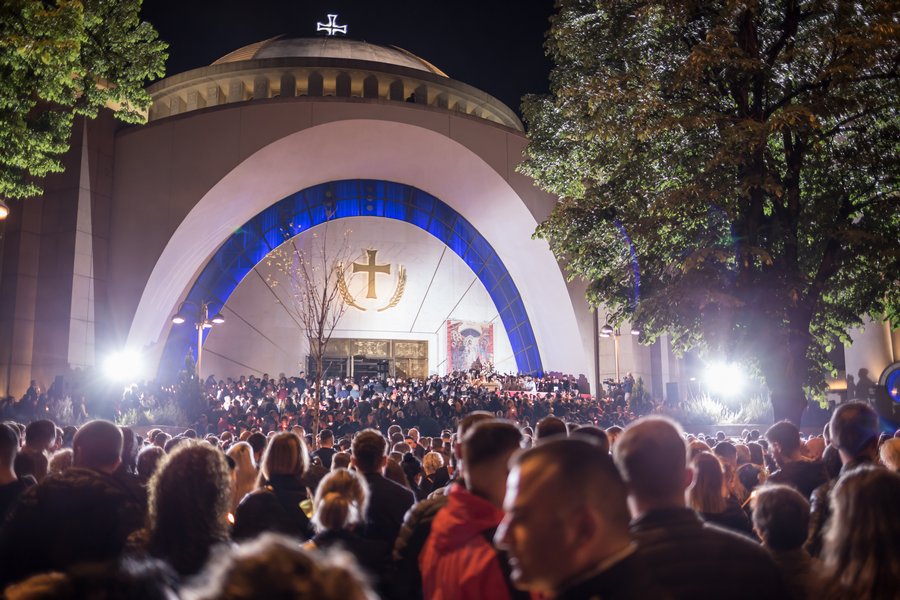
[
  {"x": 708, "y": 495},
  {"x": 275, "y": 504},
  {"x": 436, "y": 473},
  {"x": 339, "y": 512},
  {"x": 889, "y": 454},
  {"x": 245, "y": 473},
  {"x": 861, "y": 553}
]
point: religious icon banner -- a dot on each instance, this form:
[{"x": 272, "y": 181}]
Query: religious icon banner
[{"x": 469, "y": 345}]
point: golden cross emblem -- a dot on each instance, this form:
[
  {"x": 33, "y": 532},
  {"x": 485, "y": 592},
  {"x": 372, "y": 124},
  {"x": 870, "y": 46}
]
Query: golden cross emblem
[{"x": 371, "y": 269}]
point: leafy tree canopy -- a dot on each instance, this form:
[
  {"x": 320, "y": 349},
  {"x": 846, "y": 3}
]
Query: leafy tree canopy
[
  {"x": 728, "y": 172},
  {"x": 61, "y": 58}
]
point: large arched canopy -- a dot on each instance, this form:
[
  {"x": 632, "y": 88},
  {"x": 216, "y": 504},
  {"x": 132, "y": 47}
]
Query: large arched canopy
[{"x": 318, "y": 204}]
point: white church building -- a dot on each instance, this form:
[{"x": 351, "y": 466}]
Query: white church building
[{"x": 285, "y": 141}]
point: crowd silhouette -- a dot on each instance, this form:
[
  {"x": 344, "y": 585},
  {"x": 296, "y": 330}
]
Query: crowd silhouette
[{"x": 511, "y": 494}]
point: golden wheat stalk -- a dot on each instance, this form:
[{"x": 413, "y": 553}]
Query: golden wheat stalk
[
  {"x": 342, "y": 289},
  {"x": 398, "y": 291}
]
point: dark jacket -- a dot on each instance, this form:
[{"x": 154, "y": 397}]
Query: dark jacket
[
  {"x": 407, "y": 579},
  {"x": 370, "y": 554},
  {"x": 803, "y": 475},
  {"x": 624, "y": 580},
  {"x": 436, "y": 480},
  {"x": 820, "y": 509},
  {"x": 691, "y": 559},
  {"x": 325, "y": 455},
  {"x": 732, "y": 518},
  {"x": 79, "y": 515},
  {"x": 802, "y": 574},
  {"x": 10, "y": 493},
  {"x": 276, "y": 508},
  {"x": 388, "y": 503}
]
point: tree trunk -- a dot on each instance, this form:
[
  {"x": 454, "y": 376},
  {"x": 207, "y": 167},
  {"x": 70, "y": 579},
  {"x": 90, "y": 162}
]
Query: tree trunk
[
  {"x": 785, "y": 382},
  {"x": 318, "y": 400},
  {"x": 788, "y": 404}
]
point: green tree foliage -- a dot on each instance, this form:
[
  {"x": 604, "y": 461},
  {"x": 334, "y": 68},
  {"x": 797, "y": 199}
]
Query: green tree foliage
[
  {"x": 728, "y": 172},
  {"x": 59, "y": 59}
]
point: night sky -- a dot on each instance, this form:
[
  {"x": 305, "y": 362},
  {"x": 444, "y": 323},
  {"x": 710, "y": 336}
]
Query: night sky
[{"x": 494, "y": 45}]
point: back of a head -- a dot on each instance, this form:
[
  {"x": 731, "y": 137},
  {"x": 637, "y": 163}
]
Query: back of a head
[
  {"x": 580, "y": 471},
  {"x": 326, "y": 436},
  {"x": 274, "y": 566},
  {"x": 40, "y": 434},
  {"x": 148, "y": 459},
  {"x": 786, "y": 435},
  {"x": 861, "y": 549},
  {"x": 9, "y": 444},
  {"x": 369, "y": 450},
  {"x": 471, "y": 420},
  {"x": 98, "y": 445},
  {"x": 726, "y": 451},
  {"x": 550, "y": 426},
  {"x": 781, "y": 517},
  {"x": 341, "y": 460},
  {"x": 890, "y": 454},
  {"x": 257, "y": 441},
  {"x": 705, "y": 494},
  {"x": 432, "y": 462},
  {"x": 188, "y": 499},
  {"x": 756, "y": 453},
  {"x": 597, "y": 434},
  {"x": 341, "y": 501},
  {"x": 854, "y": 428},
  {"x": 652, "y": 456},
  {"x": 285, "y": 455},
  {"x": 489, "y": 440}
]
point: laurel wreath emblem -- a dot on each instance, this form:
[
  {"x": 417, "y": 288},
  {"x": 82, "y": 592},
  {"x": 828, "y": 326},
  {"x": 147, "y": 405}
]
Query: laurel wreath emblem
[
  {"x": 398, "y": 291},
  {"x": 344, "y": 292},
  {"x": 394, "y": 301}
]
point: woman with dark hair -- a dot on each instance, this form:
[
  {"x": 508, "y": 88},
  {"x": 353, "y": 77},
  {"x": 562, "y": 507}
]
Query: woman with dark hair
[
  {"x": 412, "y": 468},
  {"x": 861, "y": 552},
  {"x": 275, "y": 504},
  {"x": 189, "y": 498},
  {"x": 709, "y": 496}
]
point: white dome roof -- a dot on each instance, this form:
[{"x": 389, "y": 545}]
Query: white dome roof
[{"x": 329, "y": 47}]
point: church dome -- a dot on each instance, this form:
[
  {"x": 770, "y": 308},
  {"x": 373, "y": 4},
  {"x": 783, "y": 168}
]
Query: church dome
[
  {"x": 329, "y": 47},
  {"x": 323, "y": 69}
]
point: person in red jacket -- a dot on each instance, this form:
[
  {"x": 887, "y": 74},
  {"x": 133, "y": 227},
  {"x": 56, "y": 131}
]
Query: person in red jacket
[{"x": 458, "y": 561}]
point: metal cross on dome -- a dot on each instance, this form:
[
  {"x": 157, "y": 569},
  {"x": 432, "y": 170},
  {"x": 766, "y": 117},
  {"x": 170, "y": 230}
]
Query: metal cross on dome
[{"x": 331, "y": 27}]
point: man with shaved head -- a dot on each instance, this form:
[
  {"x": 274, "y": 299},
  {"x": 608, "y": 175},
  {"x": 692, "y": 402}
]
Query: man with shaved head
[
  {"x": 566, "y": 524},
  {"x": 688, "y": 558}
]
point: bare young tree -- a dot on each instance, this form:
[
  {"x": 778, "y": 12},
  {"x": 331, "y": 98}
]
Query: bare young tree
[{"x": 313, "y": 280}]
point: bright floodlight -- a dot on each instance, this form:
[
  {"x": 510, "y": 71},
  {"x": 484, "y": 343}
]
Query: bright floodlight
[
  {"x": 124, "y": 366},
  {"x": 724, "y": 379}
]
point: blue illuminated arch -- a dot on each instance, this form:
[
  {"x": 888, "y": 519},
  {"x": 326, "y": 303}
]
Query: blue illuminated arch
[{"x": 249, "y": 245}]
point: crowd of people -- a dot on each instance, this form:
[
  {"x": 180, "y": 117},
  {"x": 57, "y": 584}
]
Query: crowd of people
[
  {"x": 492, "y": 508},
  {"x": 279, "y": 403}
]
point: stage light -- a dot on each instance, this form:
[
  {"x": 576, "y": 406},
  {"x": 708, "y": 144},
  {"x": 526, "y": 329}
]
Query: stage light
[
  {"x": 726, "y": 379},
  {"x": 123, "y": 366}
]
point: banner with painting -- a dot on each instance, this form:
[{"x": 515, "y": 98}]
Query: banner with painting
[{"x": 469, "y": 345}]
